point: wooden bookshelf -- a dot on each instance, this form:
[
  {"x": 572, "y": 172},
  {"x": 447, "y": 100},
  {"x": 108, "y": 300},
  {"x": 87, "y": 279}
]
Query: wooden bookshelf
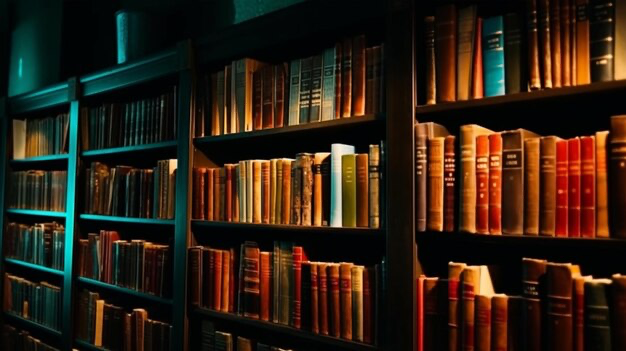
[
  {"x": 34, "y": 267},
  {"x": 92, "y": 283},
  {"x": 128, "y": 220},
  {"x": 35, "y": 213},
  {"x": 283, "y": 330}
]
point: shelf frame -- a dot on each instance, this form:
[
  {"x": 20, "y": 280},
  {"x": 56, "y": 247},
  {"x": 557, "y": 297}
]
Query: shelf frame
[
  {"x": 131, "y": 220},
  {"x": 37, "y": 213},
  {"x": 40, "y": 160},
  {"x": 123, "y": 150},
  {"x": 33, "y": 325},
  {"x": 34, "y": 267}
]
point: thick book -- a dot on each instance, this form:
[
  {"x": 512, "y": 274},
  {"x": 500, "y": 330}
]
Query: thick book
[
  {"x": 477, "y": 88},
  {"x": 617, "y": 175},
  {"x": 495, "y": 183},
  {"x": 573, "y": 181},
  {"x": 601, "y": 40},
  {"x": 531, "y": 186},
  {"x": 294, "y": 92},
  {"x": 533, "y": 285},
  {"x": 555, "y": 41},
  {"x": 559, "y": 328},
  {"x": 449, "y": 182},
  {"x": 445, "y": 52},
  {"x": 587, "y": 187},
  {"x": 618, "y": 311},
  {"x": 346, "y": 78},
  {"x": 602, "y": 185},
  {"x": 244, "y": 344},
  {"x": 583, "y": 75},
  {"x": 217, "y": 279},
  {"x": 547, "y": 185},
  {"x": 336, "y": 192},
  {"x": 362, "y": 190},
  {"x": 223, "y": 341},
  {"x": 431, "y": 68},
  {"x": 499, "y": 319},
  {"x": 338, "y": 79},
  {"x": 532, "y": 37},
  {"x": 251, "y": 282},
  {"x": 19, "y": 139},
  {"x": 306, "y": 71},
  {"x": 346, "y": 300},
  {"x": 493, "y": 56},
  {"x": 317, "y": 69},
  {"x": 435, "y": 183},
  {"x": 513, "y": 54},
  {"x": 226, "y": 267},
  {"x": 357, "y": 303},
  {"x": 513, "y": 180},
  {"x": 242, "y": 88},
  {"x": 465, "y": 49},
  {"x": 545, "y": 51},
  {"x": 358, "y": 75},
  {"x": 328, "y": 83},
  {"x": 562, "y": 188},
  {"x": 455, "y": 271},
  {"x": 597, "y": 315},
  {"x": 286, "y": 282},
  {"x": 482, "y": 184},
  {"x": 467, "y": 180}
]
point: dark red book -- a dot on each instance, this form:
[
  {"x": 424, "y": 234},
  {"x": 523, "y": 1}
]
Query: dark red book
[
  {"x": 482, "y": 184},
  {"x": 297, "y": 281},
  {"x": 588, "y": 187},
  {"x": 322, "y": 274},
  {"x": 449, "y": 182},
  {"x": 561, "y": 188},
  {"x": 268, "y": 96},
  {"x": 232, "y": 287},
  {"x": 197, "y": 211},
  {"x": 279, "y": 95},
  {"x": 495, "y": 183},
  {"x": 228, "y": 188},
  {"x": 209, "y": 185},
  {"x": 265, "y": 285},
  {"x": 251, "y": 282},
  {"x": 315, "y": 307},
  {"x": 257, "y": 100},
  {"x": 573, "y": 213},
  {"x": 217, "y": 279}
]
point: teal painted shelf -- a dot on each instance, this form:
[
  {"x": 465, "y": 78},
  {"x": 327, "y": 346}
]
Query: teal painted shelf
[
  {"x": 126, "y": 291},
  {"x": 83, "y": 345},
  {"x": 30, "y": 325},
  {"x": 166, "y": 145},
  {"x": 34, "y": 267},
  {"x": 51, "y": 96},
  {"x": 35, "y": 213},
  {"x": 151, "y": 221},
  {"x": 40, "y": 159}
]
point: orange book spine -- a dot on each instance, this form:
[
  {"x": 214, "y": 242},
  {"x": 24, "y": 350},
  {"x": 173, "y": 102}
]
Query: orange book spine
[
  {"x": 333, "y": 274},
  {"x": 210, "y": 188},
  {"x": 323, "y": 297},
  {"x": 228, "y": 203},
  {"x": 265, "y": 192},
  {"x": 217, "y": 279},
  {"x": 362, "y": 190},
  {"x": 482, "y": 184},
  {"x": 346, "y": 300},
  {"x": 266, "y": 272}
]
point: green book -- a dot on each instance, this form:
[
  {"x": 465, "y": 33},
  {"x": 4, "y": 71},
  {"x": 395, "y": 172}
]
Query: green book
[
  {"x": 597, "y": 316},
  {"x": 348, "y": 190}
]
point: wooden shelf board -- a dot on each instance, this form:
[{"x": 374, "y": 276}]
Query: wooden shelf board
[
  {"x": 34, "y": 267},
  {"x": 47, "y": 97},
  {"x": 133, "y": 220},
  {"x": 357, "y": 232},
  {"x": 285, "y": 330},
  {"x": 35, "y": 213},
  {"x": 130, "y": 149},
  {"x": 30, "y": 325},
  {"x": 40, "y": 159},
  {"x": 125, "y": 291}
]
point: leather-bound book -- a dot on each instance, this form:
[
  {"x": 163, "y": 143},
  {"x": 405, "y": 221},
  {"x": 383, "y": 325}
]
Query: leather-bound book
[
  {"x": 477, "y": 89},
  {"x": 279, "y": 94},
  {"x": 445, "y": 52},
  {"x": 338, "y": 79},
  {"x": 547, "y": 185},
  {"x": 493, "y": 56},
  {"x": 336, "y": 315},
  {"x": 454, "y": 311},
  {"x": 419, "y": 303},
  {"x": 483, "y": 323},
  {"x": 574, "y": 196},
  {"x": 583, "y": 75},
  {"x": 495, "y": 183},
  {"x": 266, "y": 272},
  {"x": 319, "y": 187},
  {"x": 618, "y": 311},
  {"x": 470, "y": 286},
  {"x": 257, "y": 99},
  {"x": 545, "y": 51},
  {"x": 273, "y": 179},
  {"x": 286, "y": 201},
  {"x": 435, "y": 184},
  {"x": 513, "y": 180},
  {"x": 357, "y": 303},
  {"x": 449, "y": 183},
  {"x": 602, "y": 186},
  {"x": 232, "y": 282},
  {"x": 559, "y": 328},
  {"x": 296, "y": 289},
  {"x": 467, "y": 181},
  {"x": 225, "y": 280},
  {"x": 369, "y": 286},
  {"x": 348, "y": 189},
  {"x": 532, "y": 35},
  {"x": 531, "y": 186},
  {"x": 588, "y": 187},
  {"x": 346, "y": 300},
  {"x": 222, "y": 197},
  {"x": 236, "y": 195},
  {"x": 306, "y": 168},
  {"x": 514, "y": 66},
  {"x": 306, "y": 297},
  {"x": 499, "y": 317},
  {"x": 195, "y": 275},
  {"x": 562, "y": 188},
  {"x": 432, "y": 315},
  {"x": 228, "y": 187},
  {"x": 223, "y": 341},
  {"x": 324, "y": 303},
  {"x": 244, "y": 344},
  {"x": 533, "y": 285},
  {"x": 514, "y": 324},
  {"x": 209, "y": 197},
  {"x": 208, "y": 266},
  {"x": 257, "y": 195},
  {"x": 358, "y": 75},
  {"x": 267, "y": 119},
  {"x": 252, "y": 280},
  {"x": 346, "y": 78},
  {"x": 578, "y": 291},
  {"x": 597, "y": 313},
  {"x": 617, "y": 176},
  {"x": 362, "y": 191},
  {"x": 314, "y": 311},
  {"x": 278, "y": 203},
  {"x": 620, "y": 40},
  {"x": 555, "y": 41},
  {"x": 431, "y": 68},
  {"x": 198, "y": 186},
  {"x": 602, "y": 40},
  {"x": 374, "y": 185},
  {"x": 242, "y": 184},
  {"x": 216, "y": 115},
  {"x": 217, "y": 279},
  {"x": 306, "y": 71},
  {"x": 566, "y": 30},
  {"x": 465, "y": 50},
  {"x": 482, "y": 184}
]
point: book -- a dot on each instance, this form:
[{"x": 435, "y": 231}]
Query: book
[
  {"x": 331, "y": 56},
  {"x": 545, "y": 42},
  {"x": 562, "y": 188},
  {"x": 362, "y": 190},
  {"x": 374, "y": 171},
  {"x": 619, "y": 51},
  {"x": 306, "y": 70},
  {"x": 306, "y": 168},
  {"x": 346, "y": 300},
  {"x": 358, "y": 75},
  {"x": 602, "y": 191},
  {"x": 583, "y": 75},
  {"x": 435, "y": 184},
  {"x": 325, "y": 314},
  {"x": 346, "y": 78},
  {"x": 19, "y": 139},
  {"x": 244, "y": 344},
  {"x": 597, "y": 315},
  {"x": 294, "y": 92},
  {"x": 445, "y": 52},
  {"x": 431, "y": 67},
  {"x": 555, "y": 42},
  {"x": 223, "y": 341},
  {"x": 482, "y": 184},
  {"x": 514, "y": 72},
  {"x": 313, "y": 312},
  {"x": 357, "y": 302},
  {"x": 566, "y": 42},
  {"x": 495, "y": 183},
  {"x": 533, "y": 280},
  {"x": 477, "y": 88},
  {"x": 617, "y": 153},
  {"x": 531, "y": 186},
  {"x": 279, "y": 94},
  {"x": 532, "y": 35},
  {"x": 265, "y": 192},
  {"x": 573, "y": 196},
  {"x": 547, "y": 185},
  {"x": 499, "y": 322},
  {"x": 336, "y": 199},
  {"x": 317, "y": 71},
  {"x": 467, "y": 181},
  {"x": 321, "y": 187},
  {"x": 587, "y": 187},
  {"x": 295, "y": 294},
  {"x": 424, "y": 132},
  {"x": 514, "y": 337},
  {"x": 264, "y": 285},
  {"x": 465, "y": 44},
  {"x": 578, "y": 294},
  {"x": 258, "y": 98},
  {"x": 493, "y": 56},
  {"x": 475, "y": 280},
  {"x": 560, "y": 325},
  {"x": 617, "y": 307},
  {"x": 251, "y": 281},
  {"x": 601, "y": 40},
  {"x": 455, "y": 271},
  {"x": 434, "y": 320},
  {"x": 449, "y": 179},
  {"x": 268, "y": 96}
]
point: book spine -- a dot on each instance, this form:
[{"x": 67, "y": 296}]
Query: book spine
[
  {"x": 296, "y": 192},
  {"x": 513, "y": 183},
  {"x": 324, "y": 304},
  {"x": 560, "y": 326},
  {"x": 257, "y": 100},
  {"x": 493, "y": 56},
  {"x": 562, "y": 188},
  {"x": 597, "y": 332},
  {"x": 547, "y": 184},
  {"x": 279, "y": 94},
  {"x": 514, "y": 78},
  {"x": 531, "y": 186},
  {"x": 601, "y": 40},
  {"x": 478, "y": 90},
  {"x": 348, "y": 189},
  {"x": 368, "y": 305},
  {"x": 317, "y": 70},
  {"x": 533, "y": 272},
  {"x": 251, "y": 281},
  {"x": 574, "y": 196},
  {"x": 449, "y": 180},
  {"x": 265, "y": 192},
  {"x": 431, "y": 70},
  {"x": 307, "y": 189},
  {"x": 228, "y": 186},
  {"x": 532, "y": 26},
  {"x": 464, "y": 50},
  {"x": 294, "y": 92},
  {"x": 435, "y": 184},
  {"x": 296, "y": 307},
  {"x": 346, "y": 300},
  {"x": 588, "y": 187},
  {"x": 328, "y": 84},
  {"x": 346, "y": 78},
  {"x": 358, "y": 76},
  {"x": 545, "y": 42},
  {"x": 499, "y": 326},
  {"x": 421, "y": 177},
  {"x": 314, "y": 311},
  {"x": 217, "y": 279},
  {"x": 583, "y": 75},
  {"x": 555, "y": 41},
  {"x": 306, "y": 318},
  {"x": 286, "y": 201},
  {"x": 482, "y": 184},
  {"x": 602, "y": 191},
  {"x": 338, "y": 79},
  {"x": 467, "y": 181},
  {"x": 454, "y": 311},
  {"x": 362, "y": 191},
  {"x": 269, "y": 97},
  {"x": 617, "y": 175},
  {"x": 618, "y": 311},
  {"x": 495, "y": 183},
  {"x": 336, "y": 315},
  {"x": 257, "y": 201},
  {"x": 470, "y": 278},
  {"x": 266, "y": 273},
  {"x": 445, "y": 52},
  {"x": 225, "y": 280},
  {"x": 357, "y": 303},
  {"x": 566, "y": 42},
  {"x": 483, "y": 323}
]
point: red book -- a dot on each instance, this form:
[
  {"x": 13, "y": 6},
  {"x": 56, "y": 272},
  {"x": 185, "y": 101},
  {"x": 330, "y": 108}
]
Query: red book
[
  {"x": 420, "y": 311},
  {"x": 297, "y": 281},
  {"x": 265, "y": 285},
  {"x": 561, "y": 188},
  {"x": 208, "y": 208},
  {"x": 335, "y": 293},
  {"x": 368, "y": 305},
  {"x": 208, "y": 271},
  {"x": 268, "y": 96},
  {"x": 232, "y": 287},
  {"x": 323, "y": 297},
  {"x": 228, "y": 203},
  {"x": 482, "y": 184},
  {"x": 477, "y": 65},
  {"x": 449, "y": 181},
  {"x": 257, "y": 100},
  {"x": 314, "y": 298},
  {"x": 495, "y": 183},
  {"x": 588, "y": 187},
  {"x": 573, "y": 214},
  {"x": 217, "y": 279}
]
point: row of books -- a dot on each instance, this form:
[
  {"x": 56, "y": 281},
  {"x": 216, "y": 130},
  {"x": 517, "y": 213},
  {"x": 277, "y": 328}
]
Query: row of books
[
  {"x": 554, "y": 44},
  {"x": 111, "y": 327},
  {"x": 283, "y": 286},
  {"x": 40, "y": 136},
  {"x": 222, "y": 341},
  {"x": 134, "y": 264},
  {"x": 343, "y": 81},
  {"x": 38, "y": 190},
  {"x": 144, "y": 121},
  {"x": 21, "y": 340},
  {"x": 516, "y": 182},
  {"x": 39, "y": 302},
  {"x": 131, "y": 192},
  {"x": 41, "y": 243},
  {"x": 557, "y": 309},
  {"x": 340, "y": 189}
]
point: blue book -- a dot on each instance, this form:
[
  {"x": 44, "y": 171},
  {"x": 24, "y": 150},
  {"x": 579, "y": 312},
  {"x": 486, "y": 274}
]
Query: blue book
[
  {"x": 493, "y": 55},
  {"x": 337, "y": 150},
  {"x": 294, "y": 92},
  {"x": 306, "y": 69},
  {"x": 328, "y": 86}
]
